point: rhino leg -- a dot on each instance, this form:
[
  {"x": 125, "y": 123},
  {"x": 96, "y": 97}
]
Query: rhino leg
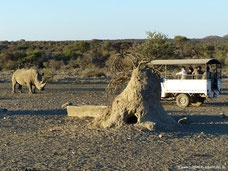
[
  {"x": 13, "y": 86},
  {"x": 20, "y": 88},
  {"x": 30, "y": 88},
  {"x": 34, "y": 89}
]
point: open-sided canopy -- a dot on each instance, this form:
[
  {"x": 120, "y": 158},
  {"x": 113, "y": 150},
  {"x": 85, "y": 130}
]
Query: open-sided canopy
[{"x": 184, "y": 62}]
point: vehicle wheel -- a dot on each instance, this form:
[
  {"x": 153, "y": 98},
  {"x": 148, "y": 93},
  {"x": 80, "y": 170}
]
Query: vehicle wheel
[
  {"x": 183, "y": 100},
  {"x": 199, "y": 102}
]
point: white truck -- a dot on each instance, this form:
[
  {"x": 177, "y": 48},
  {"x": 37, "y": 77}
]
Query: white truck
[{"x": 190, "y": 89}]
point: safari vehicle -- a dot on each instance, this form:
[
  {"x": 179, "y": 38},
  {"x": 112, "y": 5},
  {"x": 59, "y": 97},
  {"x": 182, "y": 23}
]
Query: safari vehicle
[{"x": 190, "y": 89}]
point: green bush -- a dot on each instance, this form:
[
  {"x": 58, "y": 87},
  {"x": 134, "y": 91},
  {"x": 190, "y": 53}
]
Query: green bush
[{"x": 157, "y": 46}]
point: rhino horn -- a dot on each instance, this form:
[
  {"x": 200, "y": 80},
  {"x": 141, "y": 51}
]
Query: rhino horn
[{"x": 43, "y": 84}]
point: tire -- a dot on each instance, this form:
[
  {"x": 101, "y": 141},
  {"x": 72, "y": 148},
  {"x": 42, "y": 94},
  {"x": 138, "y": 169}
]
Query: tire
[
  {"x": 183, "y": 100},
  {"x": 198, "y": 102}
]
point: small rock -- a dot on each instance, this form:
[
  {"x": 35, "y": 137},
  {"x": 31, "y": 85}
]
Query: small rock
[
  {"x": 201, "y": 134},
  {"x": 3, "y": 110},
  {"x": 222, "y": 115},
  {"x": 147, "y": 126},
  {"x": 184, "y": 120},
  {"x": 66, "y": 104}
]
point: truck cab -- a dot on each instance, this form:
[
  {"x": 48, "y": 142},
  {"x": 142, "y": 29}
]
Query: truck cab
[{"x": 190, "y": 88}]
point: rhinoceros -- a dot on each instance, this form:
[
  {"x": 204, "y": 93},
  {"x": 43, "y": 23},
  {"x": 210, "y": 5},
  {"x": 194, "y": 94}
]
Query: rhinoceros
[{"x": 27, "y": 77}]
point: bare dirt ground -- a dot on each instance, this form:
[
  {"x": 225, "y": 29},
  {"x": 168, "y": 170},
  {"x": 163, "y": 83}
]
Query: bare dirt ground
[{"x": 37, "y": 134}]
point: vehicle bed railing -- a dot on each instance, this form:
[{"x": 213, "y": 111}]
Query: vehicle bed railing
[{"x": 187, "y": 76}]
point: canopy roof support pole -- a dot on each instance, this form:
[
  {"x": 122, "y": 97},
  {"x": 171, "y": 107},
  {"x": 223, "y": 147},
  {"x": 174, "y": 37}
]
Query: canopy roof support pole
[{"x": 165, "y": 71}]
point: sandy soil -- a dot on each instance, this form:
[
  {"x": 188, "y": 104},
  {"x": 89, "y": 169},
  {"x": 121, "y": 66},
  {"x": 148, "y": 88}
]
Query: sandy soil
[{"x": 37, "y": 134}]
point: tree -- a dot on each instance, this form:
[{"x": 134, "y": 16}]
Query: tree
[
  {"x": 221, "y": 56},
  {"x": 195, "y": 49},
  {"x": 33, "y": 58},
  {"x": 180, "y": 41},
  {"x": 82, "y": 46},
  {"x": 70, "y": 52},
  {"x": 156, "y": 46}
]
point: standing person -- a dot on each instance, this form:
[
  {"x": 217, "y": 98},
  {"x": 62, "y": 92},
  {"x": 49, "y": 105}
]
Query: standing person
[
  {"x": 207, "y": 74},
  {"x": 182, "y": 73}
]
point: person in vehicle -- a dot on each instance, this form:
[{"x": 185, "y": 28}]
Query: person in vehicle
[
  {"x": 199, "y": 70},
  {"x": 182, "y": 73},
  {"x": 190, "y": 70},
  {"x": 189, "y": 73},
  {"x": 195, "y": 73},
  {"x": 198, "y": 73}
]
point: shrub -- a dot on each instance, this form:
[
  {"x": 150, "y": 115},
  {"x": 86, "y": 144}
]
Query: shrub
[
  {"x": 10, "y": 65},
  {"x": 95, "y": 72},
  {"x": 221, "y": 56},
  {"x": 55, "y": 65},
  {"x": 157, "y": 46}
]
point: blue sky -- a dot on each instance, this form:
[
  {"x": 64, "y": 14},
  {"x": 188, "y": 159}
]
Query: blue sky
[{"x": 111, "y": 19}]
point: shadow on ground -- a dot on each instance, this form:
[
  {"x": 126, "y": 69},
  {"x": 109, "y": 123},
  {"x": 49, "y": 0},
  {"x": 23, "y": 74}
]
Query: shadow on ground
[
  {"x": 81, "y": 81},
  {"x": 215, "y": 104},
  {"x": 208, "y": 124},
  {"x": 5, "y": 98},
  {"x": 75, "y": 89},
  {"x": 36, "y": 112}
]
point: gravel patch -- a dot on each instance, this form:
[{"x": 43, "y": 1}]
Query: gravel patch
[{"x": 36, "y": 133}]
